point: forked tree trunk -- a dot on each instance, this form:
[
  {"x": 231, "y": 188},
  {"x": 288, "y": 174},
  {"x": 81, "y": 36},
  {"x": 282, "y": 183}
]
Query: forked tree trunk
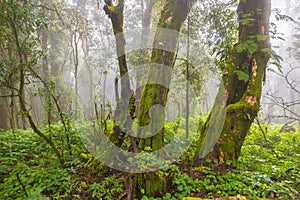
[{"x": 251, "y": 55}]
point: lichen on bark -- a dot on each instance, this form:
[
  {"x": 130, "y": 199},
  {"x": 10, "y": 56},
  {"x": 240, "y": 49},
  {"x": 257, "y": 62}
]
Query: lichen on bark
[{"x": 243, "y": 99}]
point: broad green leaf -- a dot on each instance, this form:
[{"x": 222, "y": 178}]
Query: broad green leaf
[{"x": 242, "y": 76}]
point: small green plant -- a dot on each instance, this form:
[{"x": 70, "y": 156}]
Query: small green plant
[
  {"x": 185, "y": 185},
  {"x": 110, "y": 188}
]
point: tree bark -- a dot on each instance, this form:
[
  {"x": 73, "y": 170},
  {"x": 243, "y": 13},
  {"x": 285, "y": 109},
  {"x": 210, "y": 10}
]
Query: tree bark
[
  {"x": 250, "y": 56},
  {"x": 90, "y": 108},
  {"x": 76, "y": 63},
  {"x": 116, "y": 15},
  {"x": 48, "y": 106},
  {"x": 146, "y": 22},
  {"x": 4, "y": 114},
  {"x": 172, "y": 17}
]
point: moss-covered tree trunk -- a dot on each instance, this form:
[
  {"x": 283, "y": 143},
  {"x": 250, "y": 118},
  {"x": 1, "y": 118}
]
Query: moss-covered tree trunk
[
  {"x": 165, "y": 43},
  {"x": 242, "y": 79},
  {"x": 146, "y": 23},
  {"x": 116, "y": 15}
]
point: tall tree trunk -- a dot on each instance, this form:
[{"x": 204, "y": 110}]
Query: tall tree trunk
[
  {"x": 90, "y": 107},
  {"x": 250, "y": 58},
  {"x": 116, "y": 15},
  {"x": 76, "y": 63},
  {"x": 172, "y": 17},
  {"x": 146, "y": 22},
  {"x": 4, "y": 113},
  {"x": 47, "y": 97},
  {"x": 10, "y": 102}
]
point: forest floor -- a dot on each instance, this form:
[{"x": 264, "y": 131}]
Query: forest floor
[{"x": 269, "y": 168}]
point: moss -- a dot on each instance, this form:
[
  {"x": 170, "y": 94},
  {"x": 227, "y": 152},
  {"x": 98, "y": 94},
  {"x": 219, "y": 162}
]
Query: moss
[
  {"x": 172, "y": 17},
  {"x": 146, "y": 182},
  {"x": 239, "y": 117},
  {"x": 237, "y": 107},
  {"x": 111, "y": 8},
  {"x": 242, "y": 101}
]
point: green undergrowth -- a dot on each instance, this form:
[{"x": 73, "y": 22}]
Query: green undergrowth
[{"x": 269, "y": 168}]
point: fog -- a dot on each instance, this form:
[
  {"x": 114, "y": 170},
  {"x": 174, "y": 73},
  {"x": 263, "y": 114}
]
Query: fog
[{"x": 280, "y": 102}]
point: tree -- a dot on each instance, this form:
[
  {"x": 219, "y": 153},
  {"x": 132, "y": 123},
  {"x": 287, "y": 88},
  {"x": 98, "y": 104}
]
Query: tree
[
  {"x": 172, "y": 17},
  {"x": 19, "y": 24},
  {"x": 242, "y": 79},
  {"x": 4, "y": 116},
  {"x": 243, "y": 74}
]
